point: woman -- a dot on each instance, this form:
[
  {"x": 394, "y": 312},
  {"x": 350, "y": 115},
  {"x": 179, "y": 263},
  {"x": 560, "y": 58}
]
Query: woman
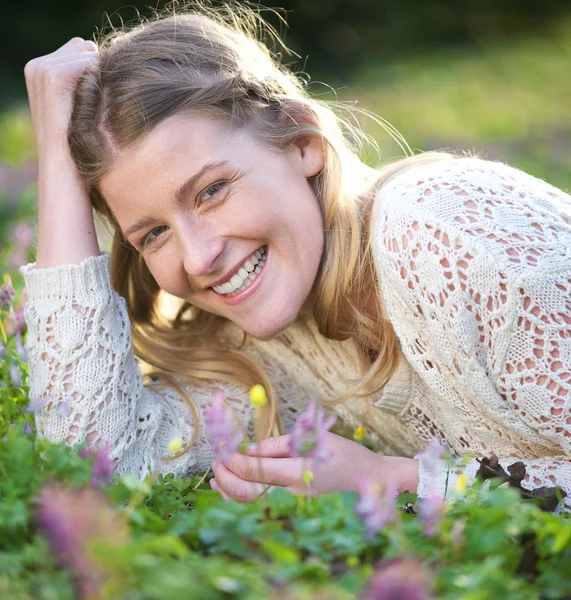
[{"x": 438, "y": 286}]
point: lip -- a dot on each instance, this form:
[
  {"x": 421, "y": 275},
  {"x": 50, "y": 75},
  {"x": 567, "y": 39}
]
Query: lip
[
  {"x": 234, "y": 270},
  {"x": 245, "y": 294}
]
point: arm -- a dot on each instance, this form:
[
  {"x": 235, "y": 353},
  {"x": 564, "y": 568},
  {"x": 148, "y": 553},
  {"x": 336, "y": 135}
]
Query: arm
[
  {"x": 476, "y": 270},
  {"x": 80, "y": 354},
  {"x": 80, "y": 357}
]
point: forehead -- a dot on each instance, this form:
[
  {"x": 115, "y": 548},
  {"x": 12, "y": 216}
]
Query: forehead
[{"x": 179, "y": 144}]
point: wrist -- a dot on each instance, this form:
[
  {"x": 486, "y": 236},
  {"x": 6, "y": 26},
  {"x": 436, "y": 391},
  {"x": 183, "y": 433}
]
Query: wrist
[
  {"x": 398, "y": 472},
  {"x": 404, "y": 474}
]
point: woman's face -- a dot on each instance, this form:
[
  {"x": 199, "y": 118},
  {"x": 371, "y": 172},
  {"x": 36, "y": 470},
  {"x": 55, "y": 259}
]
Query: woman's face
[{"x": 222, "y": 221}]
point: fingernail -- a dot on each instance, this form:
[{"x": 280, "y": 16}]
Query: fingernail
[{"x": 252, "y": 447}]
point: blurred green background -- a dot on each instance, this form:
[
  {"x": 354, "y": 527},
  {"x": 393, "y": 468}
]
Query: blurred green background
[{"x": 483, "y": 76}]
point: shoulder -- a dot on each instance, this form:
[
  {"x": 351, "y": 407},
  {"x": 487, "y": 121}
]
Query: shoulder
[
  {"x": 447, "y": 184},
  {"x": 477, "y": 207}
]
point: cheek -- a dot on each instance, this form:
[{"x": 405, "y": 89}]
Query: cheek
[{"x": 166, "y": 270}]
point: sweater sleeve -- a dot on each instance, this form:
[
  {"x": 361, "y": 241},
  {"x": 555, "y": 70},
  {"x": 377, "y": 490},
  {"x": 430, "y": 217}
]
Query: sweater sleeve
[
  {"x": 475, "y": 261},
  {"x": 86, "y": 386}
]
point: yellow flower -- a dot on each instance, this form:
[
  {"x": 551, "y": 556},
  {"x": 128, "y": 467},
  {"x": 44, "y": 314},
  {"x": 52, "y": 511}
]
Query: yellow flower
[
  {"x": 175, "y": 445},
  {"x": 258, "y": 395},
  {"x": 461, "y": 483},
  {"x": 307, "y": 476},
  {"x": 359, "y": 433}
]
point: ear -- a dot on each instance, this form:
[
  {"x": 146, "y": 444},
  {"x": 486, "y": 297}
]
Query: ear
[{"x": 310, "y": 150}]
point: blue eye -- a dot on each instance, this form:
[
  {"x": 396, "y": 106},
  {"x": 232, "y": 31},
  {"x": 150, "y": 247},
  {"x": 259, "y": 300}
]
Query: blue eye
[
  {"x": 150, "y": 237},
  {"x": 211, "y": 191}
]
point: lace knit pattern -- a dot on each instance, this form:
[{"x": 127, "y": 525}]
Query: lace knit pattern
[{"x": 474, "y": 267}]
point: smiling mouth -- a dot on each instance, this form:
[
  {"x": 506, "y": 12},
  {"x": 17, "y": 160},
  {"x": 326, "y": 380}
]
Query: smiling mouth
[{"x": 245, "y": 276}]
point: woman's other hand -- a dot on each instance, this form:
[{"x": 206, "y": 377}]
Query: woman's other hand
[
  {"x": 66, "y": 231},
  {"x": 245, "y": 476},
  {"x": 50, "y": 81}
]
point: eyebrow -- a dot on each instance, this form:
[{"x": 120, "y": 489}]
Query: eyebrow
[{"x": 180, "y": 195}]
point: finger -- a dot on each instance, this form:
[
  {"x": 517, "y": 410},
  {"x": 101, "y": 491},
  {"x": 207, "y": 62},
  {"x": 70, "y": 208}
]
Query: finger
[
  {"x": 64, "y": 59},
  {"x": 284, "y": 472},
  {"x": 216, "y": 488},
  {"x": 74, "y": 45},
  {"x": 274, "y": 447},
  {"x": 240, "y": 490},
  {"x": 51, "y": 67}
]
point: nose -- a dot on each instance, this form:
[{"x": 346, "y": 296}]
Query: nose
[{"x": 201, "y": 252}]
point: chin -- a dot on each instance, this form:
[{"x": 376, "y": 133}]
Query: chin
[{"x": 270, "y": 327}]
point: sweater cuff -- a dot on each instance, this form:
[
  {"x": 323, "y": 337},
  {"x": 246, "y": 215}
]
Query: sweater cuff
[{"x": 84, "y": 282}]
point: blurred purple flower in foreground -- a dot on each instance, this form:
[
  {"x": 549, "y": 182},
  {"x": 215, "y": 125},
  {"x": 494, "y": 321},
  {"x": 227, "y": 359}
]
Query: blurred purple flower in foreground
[
  {"x": 307, "y": 436},
  {"x": 431, "y": 454},
  {"x": 375, "y": 506},
  {"x": 37, "y": 403},
  {"x": 399, "y": 579},
  {"x": 103, "y": 464},
  {"x": 431, "y": 512},
  {"x": 73, "y": 520},
  {"x": 224, "y": 432},
  {"x": 431, "y": 508},
  {"x": 63, "y": 409}
]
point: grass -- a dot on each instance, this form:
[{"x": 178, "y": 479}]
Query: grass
[{"x": 508, "y": 101}]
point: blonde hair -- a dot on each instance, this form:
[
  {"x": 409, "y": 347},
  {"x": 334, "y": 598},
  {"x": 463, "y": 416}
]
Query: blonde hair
[{"x": 212, "y": 61}]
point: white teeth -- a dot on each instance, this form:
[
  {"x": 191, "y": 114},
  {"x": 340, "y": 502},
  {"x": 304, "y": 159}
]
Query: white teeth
[{"x": 244, "y": 277}]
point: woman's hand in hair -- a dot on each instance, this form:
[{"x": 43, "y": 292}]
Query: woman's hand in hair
[
  {"x": 50, "y": 81},
  {"x": 246, "y": 476},
  {"x": 62, "y": 197}
]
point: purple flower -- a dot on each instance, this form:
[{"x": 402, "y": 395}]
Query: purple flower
[
  {"x": 15, "y": 375},
  {"x": 307, "y": 436},
  {"x": 431, "y": 512},
  {"x": 399, "y": 579},
  {"x": 432, "y": 507},
  {"x": 431, "y": 454},
  {"x": 17, "y": 321},
  {"x": 72, "y": 521},
  {"x": 28, "y": 429},
  {"x": 7, "y": 292},
  {"x": 2, "y": 349},
  {"x": 63, "y": 409},
  {"x": 375, "y": 506},
  {"x": 103, "y": 465},
  {"x": 37, "y": 404},
  {"x": 224, "y": 432},
  {"x": 20, "y": 349}
]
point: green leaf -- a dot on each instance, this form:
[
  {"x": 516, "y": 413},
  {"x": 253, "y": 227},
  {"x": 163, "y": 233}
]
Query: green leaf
[{"x": 282, "y": 503}]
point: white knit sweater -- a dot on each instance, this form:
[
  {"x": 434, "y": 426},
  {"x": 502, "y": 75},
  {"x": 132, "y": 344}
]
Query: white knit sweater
[{"x": 474, "y": 267}]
